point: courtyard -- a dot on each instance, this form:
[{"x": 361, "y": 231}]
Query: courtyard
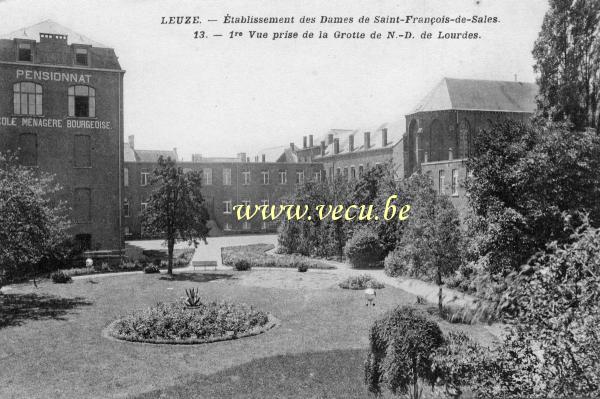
[{"x": 52, "y": 342}]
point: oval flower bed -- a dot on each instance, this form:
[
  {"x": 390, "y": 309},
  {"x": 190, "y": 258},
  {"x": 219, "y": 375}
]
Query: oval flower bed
[{"x": 175, "y": 323}]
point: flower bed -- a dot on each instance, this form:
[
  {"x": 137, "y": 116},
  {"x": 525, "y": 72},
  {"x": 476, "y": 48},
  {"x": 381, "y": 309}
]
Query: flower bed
[
  {"x": 255, "y": 255},
  {"x": 361, "y": 282},
  {"x": 175, "y": 323}
]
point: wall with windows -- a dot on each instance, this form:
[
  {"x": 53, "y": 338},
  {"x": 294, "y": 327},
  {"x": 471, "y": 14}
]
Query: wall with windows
[
  {"x": 225, "y": 184},
  {"x": 352, "y": 165},
  {"x": 61, "y": 110},
  {"x": 448, "y": 178}
]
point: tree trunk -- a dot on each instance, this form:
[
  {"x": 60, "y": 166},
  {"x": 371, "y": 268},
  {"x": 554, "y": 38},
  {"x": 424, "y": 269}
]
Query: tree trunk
[
  {"x": 440, "y": 304},
  {"x": 415, "y": 380},
  {"x": 171, "y": 244}
]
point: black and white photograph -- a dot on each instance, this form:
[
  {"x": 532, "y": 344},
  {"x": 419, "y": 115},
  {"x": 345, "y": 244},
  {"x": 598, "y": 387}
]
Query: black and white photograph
[{"x": 317, "y": 199}]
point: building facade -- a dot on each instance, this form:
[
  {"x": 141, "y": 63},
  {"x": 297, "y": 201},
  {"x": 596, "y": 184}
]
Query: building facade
[
  {"x": 441, "y": 128},
  {"x": 225, "y": 183},
  {"x": 62, "y": 112}
]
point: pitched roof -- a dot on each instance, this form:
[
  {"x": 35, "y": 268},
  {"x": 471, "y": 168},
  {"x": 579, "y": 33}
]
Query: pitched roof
[
  {"x": 479, "y": 95},
  {"x": 48, "y": 26},
  {"x": 395, "y": 130},
  {"x": 153, "y": 155},
  {"x": 278, "y": 154}
]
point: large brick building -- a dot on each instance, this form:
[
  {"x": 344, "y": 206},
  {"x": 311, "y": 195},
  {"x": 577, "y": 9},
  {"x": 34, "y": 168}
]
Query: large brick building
[
  {"x": 440, "y": 130},
  {"x": 270, "y": 176},
  {"x": 61, "y": 110}
]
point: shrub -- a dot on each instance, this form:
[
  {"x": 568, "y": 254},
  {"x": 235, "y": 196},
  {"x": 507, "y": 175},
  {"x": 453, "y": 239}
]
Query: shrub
[
  {"x": 175, "y": 323},
  {"x": 192, "y": 298},
  {"x": 256, "y": 255},
  {"x": 303, "y": 267},
  {"x": 60, "y": 277},
  {"x": 402, "y": 347},
  {"x": 361, "y": 282},
  {"x": 151, "y": 269},
  {"x": 393, "y": 264},
  {"x": 364, "y": 248},
  {"x": 242, "y": 265}
]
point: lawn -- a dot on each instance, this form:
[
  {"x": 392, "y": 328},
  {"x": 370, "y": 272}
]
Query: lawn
[{"x": 51, "y": 342}]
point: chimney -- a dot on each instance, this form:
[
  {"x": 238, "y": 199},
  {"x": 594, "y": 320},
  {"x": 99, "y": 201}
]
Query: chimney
[
  {"x": 247, "y": 159},
  {"x": 336, "y": 146},
  {"x": 323, "y": 148},
  {"x": 241, "y": 156},
  {"x": 351, "y": 143},
  {"x": 367, "y": 140},
  {"x": 256, "y": 158},
  {"x": 384, "y": 141},
  {"x": 450, "y": 154},
  {"x": 264, "y": 158},
  {"x": 330, "y": 138},
  {"x": 310, "y": 140},
  {"x": 292, "y": 146},
  {"x": 303, "y": 141},
  {"x": 131, "y": 140}
]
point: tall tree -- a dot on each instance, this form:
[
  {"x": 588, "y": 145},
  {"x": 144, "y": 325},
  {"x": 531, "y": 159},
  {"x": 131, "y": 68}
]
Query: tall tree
[
  {"x": 34, "y": 222},
  {"x": 567, "y": 55},
  {"x": 176, "y": 208}
]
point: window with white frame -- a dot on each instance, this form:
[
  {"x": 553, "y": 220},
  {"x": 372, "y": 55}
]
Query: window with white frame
[
  {"x": 246, "y": 202},
  {"x": 441, "y": 181},
  {"x": 126, "y": 231},
  {"x": 300, "y": 177},
  {"x": 246, "y": 225},
  {"x": 25, "y": 52},
  {"x": 227, "y": 227},
  {"x": 318, "y": 176},
  {"x": 81, "y": 56},
  {"x": 352, "y": 173},
  {"x": 143, "y": 207},
  {"x": 227, "y": 206},
  {"x": 264, "y": 202},
  {"x": 207, "y": 173},
  {"x": 144, "y": 178},
  {"x": 455, "y": 182},
  {"x": 263, "y": 225},
  {"x": 246, "y": 177},
  {"x": 227, "y": 177},
  {"x": 27, "y": 98},
  {"x": 82, "y": 101},
  {"x": 282, "y": 177},
  {"x": 265, "y": 176},
  {"x": 126, "y": 210},
  {"x": 361, "y": 170}
]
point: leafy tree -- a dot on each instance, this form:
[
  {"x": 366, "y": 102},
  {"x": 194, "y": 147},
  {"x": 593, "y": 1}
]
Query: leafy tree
[
  {"x": 34, "y": 222},
  {"x": 523, "y": 178},
  {"x": 430, "y": 244},
  {"x": 176, "y": 208},
  {"x": 567, "y": 55},
  {"x": 402, "y": 346},
  {"x": 364, "y": 248}
]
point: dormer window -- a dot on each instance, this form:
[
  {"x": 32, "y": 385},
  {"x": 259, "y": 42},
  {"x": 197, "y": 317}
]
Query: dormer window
[
  {"x": 25, "y": 52},
  {"x": 81, "y": 56}
]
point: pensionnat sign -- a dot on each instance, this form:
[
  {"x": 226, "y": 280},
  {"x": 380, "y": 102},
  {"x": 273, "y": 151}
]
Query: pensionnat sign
[
  {"x": 53, "y": 76},
  {"x": 54, "y": 123}
]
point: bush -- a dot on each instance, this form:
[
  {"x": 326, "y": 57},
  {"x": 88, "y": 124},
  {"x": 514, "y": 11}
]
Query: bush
[
  {"x": 151, "y": 269},
  {"x": 393, "y": 264},
  {"x": 174, "y": 323},
  {"x": 241, "y": 265},
  {"x": 402, "y": 346},
  {"x": 60, "y": 277},
  {"x": 364, "y": 248},
  {"x": 302, "y": 267},
  {"x": 361, "y": 282},
  {"x": 256, "y": 255}
]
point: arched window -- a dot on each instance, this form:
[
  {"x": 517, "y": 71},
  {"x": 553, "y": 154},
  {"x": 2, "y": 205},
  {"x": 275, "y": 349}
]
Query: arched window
[
  {"x": 464, "y": 135},
  {"x": 27, "y": 98},
  {"x": 82, "y": 101}
]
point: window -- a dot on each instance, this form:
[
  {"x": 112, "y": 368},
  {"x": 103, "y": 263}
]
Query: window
[
  {"x": 318, "y": 176},
  {"x": 441, "y": 182},
  {"x": 330, "y": 172},
  {"x": 338, "y": 172},
  {"x": 27, "y": 98},
  {"x": 126, "y": 231},
  {"x": 227, "y": 177},
  {"x": 25, "y": 52},
  {"x": 227, "y": 206},
  {"x": 82, "y": 205},
  {"x": 246, "y": 175},
  {"x": 81, "y": 56},
  {"x": 145, "y": 177},
  {"x": 207, "y": 176},
  {"x": 227, "y": 227},
  {"x": 352, "y": 173},
  {"x": 360, "y": 170},
  {"x": 82, "y": 102},
  {"x": 265, "y": 202},
  {"x": 126, "y": 177},
  {"x": 126, "y": 210},
  {"x": 82, "y": 151},
  {"x": 246, "y": 225},
  {"x": 300, "y": 177},
  {"x": 282, "y": 177},
  {"x": 346, "y": 173},
  {"x": 28, "y": 149},
  {"x": 455, "y": 182},
  {"x": 263, "y": 225},
  {"x": 265, "y": 176},
  {"x": 143, "y": 207},
  {"x": 246, "y": 203}
]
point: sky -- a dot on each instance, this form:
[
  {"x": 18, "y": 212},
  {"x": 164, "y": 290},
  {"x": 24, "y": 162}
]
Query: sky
[{"x": 219, "y": 96}]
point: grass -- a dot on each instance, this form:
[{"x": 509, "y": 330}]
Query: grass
[
  {"x": 256, "y": 256},
  {"x": 52, "y": 337}
]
